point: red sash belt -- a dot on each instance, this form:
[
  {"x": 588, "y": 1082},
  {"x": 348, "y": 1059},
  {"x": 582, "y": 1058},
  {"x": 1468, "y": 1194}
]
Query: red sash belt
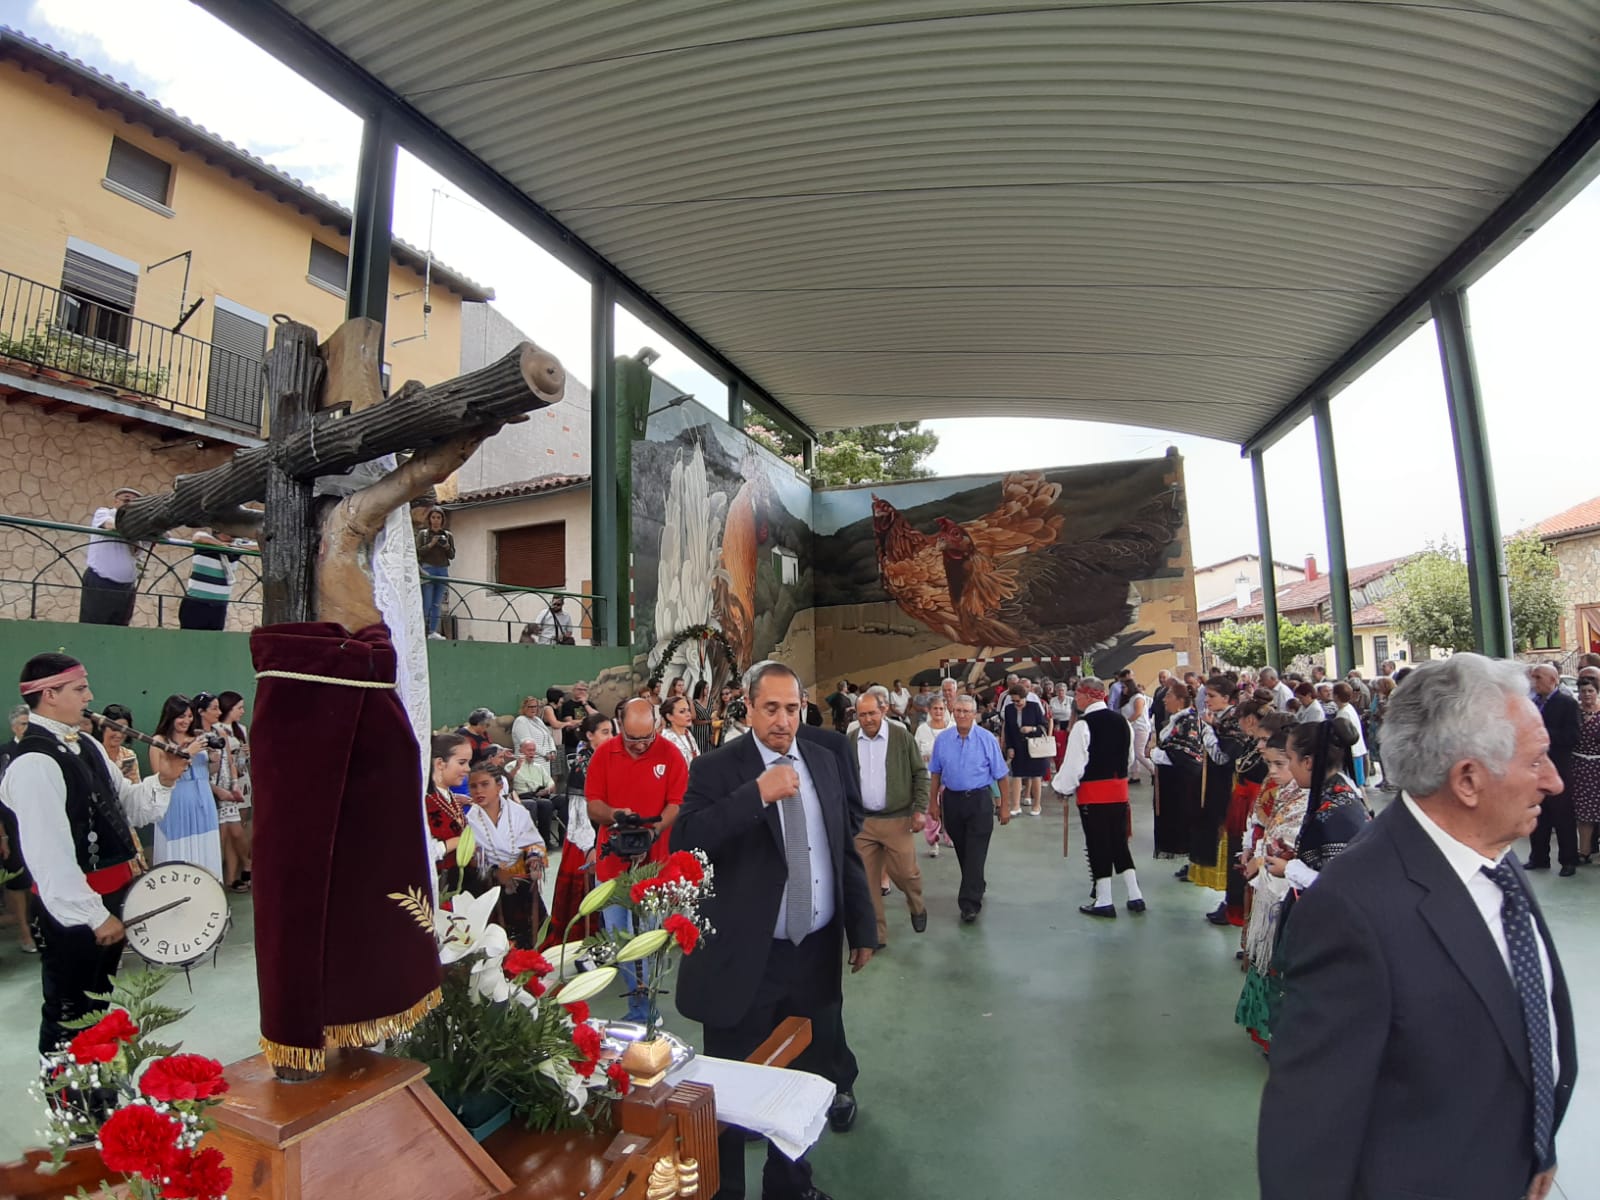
[
  {"x": 106, "y": 880},
  {"x": 1103, "y": 791}
]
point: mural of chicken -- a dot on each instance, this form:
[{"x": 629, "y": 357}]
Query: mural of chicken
[{"x": 1007, "y": 580}]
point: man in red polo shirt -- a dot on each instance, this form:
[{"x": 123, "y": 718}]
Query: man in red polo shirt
[{"x": 635, "y": 773}]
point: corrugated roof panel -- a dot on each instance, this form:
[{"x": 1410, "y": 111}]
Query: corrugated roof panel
[{"x": 1152, "y": 213}]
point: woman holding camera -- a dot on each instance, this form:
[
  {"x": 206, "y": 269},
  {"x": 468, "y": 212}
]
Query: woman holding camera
[{"x": 188, "y": 832}]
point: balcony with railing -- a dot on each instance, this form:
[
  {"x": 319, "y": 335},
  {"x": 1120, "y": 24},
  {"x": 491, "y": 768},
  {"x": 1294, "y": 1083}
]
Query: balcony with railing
[
  {"x": 72, "y": 339},
  {"x": 41, "y": 579}
]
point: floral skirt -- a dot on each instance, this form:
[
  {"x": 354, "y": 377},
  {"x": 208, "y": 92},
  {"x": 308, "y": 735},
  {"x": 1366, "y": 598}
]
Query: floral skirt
[{"x": 1258, "y": 1005}]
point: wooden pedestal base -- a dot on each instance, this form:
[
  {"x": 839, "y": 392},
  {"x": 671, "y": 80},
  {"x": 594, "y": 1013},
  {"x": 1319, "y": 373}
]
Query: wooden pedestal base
[{"x": 368, "y": 1126}]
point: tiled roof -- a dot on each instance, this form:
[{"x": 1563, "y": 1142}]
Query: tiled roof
[
  {"x": 515, "y": 491},
  {"x": 1282, "y": 566},
  {"x": 1580, "y": 518},
  {"x": 1301, "y": 596},
  {"x": 1369, "y": 614},
  {"x": 162, "y": 121}
]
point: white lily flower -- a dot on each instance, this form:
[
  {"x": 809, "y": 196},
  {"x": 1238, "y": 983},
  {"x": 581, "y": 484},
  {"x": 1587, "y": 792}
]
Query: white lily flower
[
  {"x": 528, "y": 1001},
  {"x": 489, "y": 978},
  {"x": 463, "y": 927}
]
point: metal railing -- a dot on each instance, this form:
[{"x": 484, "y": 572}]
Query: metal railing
[
  {"x": 85, "y": 340},
  {"x": 41, "y": 579}
]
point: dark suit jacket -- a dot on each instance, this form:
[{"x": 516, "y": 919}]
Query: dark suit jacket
[
  {"x": 1563, "y": 723},
  {"x": 723, "y": 815},
  {"x": 1399, "y": 1063}
]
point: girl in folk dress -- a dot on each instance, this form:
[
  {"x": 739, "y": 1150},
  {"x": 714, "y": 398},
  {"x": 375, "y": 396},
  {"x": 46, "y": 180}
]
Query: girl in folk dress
[
  {"x": 447, "y": 817},
  {"x": 1280, "y": 809},
  {"x": 677, "y": 726},
  {"x": 510, "y": 854},
  {"x": 1178, "y": 758}
]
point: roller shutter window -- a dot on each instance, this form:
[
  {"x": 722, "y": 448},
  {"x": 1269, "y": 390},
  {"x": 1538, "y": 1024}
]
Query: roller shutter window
[
  {"x": 234, "y": 382},
  {"x": 99, "y": 298},
  {"x": 134, "y": 169},
  {"x": 532, "y": 556},
  {"x": 329, "y": 266}
]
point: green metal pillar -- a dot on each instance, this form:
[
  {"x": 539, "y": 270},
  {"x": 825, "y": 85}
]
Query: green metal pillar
[
  {"x": 1269, "y": 574},
  {"x": 738, "y": 413},
  {"x": 1344, "y": 634},
  {"x": 603, "y": 534},
  {"x": 808, "y": 455},
  {"x": 1486, "y": 570},
  {"x": 367, "y": 285}
]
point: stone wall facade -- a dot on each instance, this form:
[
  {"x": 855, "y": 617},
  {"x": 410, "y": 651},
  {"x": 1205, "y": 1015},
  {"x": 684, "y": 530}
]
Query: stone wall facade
[
  {"x": 1579, "y": 558},
  {"x": 56, "y": 467}
]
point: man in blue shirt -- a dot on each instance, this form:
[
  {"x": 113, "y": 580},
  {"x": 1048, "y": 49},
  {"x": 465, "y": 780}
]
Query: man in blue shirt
[{"x": 966, "y": 761}]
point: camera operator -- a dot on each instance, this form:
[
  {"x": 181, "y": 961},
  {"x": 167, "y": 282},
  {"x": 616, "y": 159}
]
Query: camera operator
[
  {"x": 635, "y": 775},
  {"x": 532, "y": 784}
]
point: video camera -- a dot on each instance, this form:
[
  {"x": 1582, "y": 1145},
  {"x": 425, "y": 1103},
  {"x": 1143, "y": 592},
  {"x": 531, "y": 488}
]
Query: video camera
[{"x": 631, "y": 835}]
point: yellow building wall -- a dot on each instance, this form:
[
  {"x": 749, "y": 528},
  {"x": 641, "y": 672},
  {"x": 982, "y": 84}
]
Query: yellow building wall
[{"x": 247, "y": 246}]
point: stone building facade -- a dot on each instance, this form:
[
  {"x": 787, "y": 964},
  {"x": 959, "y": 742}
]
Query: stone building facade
[{"x": 1573, "y": 537}]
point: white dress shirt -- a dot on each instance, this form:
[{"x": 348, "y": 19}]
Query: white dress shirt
[
  {"x": 1077, "y": 758},
  {"x": 110, "y": 557},
  {"x": 1467, "y": 865},
  {"x": 1310, "y": 713},
  {"x": 1284, "y": 693},
  {"x": 872, "y": 754},
  {"x": 35, "y": 791},
  {"x": 817, "y": 832}
]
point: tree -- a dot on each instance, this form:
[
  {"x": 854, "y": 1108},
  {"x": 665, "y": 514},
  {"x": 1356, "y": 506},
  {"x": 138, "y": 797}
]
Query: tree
[
  {"x": 868, "y": 454},
  {"x": 1433, "y": 606},
  {"x": 1246, "y": 645}
]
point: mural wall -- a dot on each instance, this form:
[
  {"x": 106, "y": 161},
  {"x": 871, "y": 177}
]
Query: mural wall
[
  {"x": 721, "y": 537},
  {"x": 1088, "y": 561}
]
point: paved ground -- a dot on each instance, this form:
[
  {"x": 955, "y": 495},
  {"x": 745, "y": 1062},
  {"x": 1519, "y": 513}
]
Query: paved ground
[{"x": 1036, "y": 1053}]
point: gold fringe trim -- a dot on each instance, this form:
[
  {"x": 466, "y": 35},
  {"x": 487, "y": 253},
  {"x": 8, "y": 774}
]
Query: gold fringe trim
[
  {"x": 365, "y": 1033},
  {"x": 1214, "y": 877},
  {"x": 359, "y": 1033}
]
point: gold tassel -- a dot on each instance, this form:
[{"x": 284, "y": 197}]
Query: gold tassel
[
  {"x": 366, "y": 1033},
  {"x": 296, "y": 1058}
]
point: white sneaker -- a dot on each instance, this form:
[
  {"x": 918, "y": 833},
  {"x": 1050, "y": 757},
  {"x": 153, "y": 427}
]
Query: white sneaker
[
  {"x": 436, "y": 637},
  {"x": 1016, "y": 812},
  {"x": 934, "y": 852}
]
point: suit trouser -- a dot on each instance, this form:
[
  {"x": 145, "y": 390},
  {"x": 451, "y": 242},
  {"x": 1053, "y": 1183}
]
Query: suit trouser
[
  {"x": 799, "y": 981},
  {"x": 889, "y": 843},
  {"x": 969, "y": 820},
  {"x": 1105, "y": 838},
  {"x": 1556, "y": 815},
  {"x": 71, "y": 965}
]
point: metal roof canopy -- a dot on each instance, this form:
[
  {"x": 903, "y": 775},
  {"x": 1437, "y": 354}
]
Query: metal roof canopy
[{"x": 1197, "y": 216}]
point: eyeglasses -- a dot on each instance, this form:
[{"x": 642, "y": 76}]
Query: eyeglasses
[{"x": 639, "y": 741}]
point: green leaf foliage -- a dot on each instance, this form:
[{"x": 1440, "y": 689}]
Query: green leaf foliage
[{"x": 1245, "y": 644}]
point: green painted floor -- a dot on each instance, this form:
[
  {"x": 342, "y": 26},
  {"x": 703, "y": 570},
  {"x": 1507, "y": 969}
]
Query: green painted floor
[{"x": 1036, "y": 1053}]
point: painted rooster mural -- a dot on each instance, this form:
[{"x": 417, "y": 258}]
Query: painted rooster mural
[{"x": 1008, "y": 581}]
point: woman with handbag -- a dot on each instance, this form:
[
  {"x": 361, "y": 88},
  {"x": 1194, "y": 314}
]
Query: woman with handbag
[{"x": 1029, "y": 746}]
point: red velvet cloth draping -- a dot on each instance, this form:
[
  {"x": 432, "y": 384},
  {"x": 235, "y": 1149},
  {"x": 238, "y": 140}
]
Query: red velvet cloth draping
[{"x": 338, "y": 831}]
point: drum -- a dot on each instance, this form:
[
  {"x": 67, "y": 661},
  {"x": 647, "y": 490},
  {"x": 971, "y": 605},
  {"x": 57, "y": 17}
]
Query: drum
[{"x": 176, "y": 913}]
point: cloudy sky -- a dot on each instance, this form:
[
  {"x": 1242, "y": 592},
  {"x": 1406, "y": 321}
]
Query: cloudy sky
[{"x": 1535, "y": 317}]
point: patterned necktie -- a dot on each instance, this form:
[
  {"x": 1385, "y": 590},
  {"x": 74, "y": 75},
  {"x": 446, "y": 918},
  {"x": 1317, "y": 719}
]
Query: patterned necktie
[
  {"x": 1528, "y": 976},
  {"x": 797, "y": 851}
]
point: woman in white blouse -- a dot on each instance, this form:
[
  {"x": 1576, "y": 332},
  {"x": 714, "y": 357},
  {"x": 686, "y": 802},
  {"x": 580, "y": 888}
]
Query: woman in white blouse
[
  {"x": 510, "y": 854},
  {"x": 677, "y": 726},
  {"x": 938, "y": 721},
  {"x": 1136, "y": 708}
]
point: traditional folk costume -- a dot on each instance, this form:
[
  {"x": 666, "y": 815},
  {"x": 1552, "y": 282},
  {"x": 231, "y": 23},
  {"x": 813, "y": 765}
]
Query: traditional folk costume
[
  {"x": 1099, "y": 758},
  {"x": 1180, "y": 758},
  {"x": 500, "y": 845},
  {"x": 447, "y": 819},
  {"x": 1249, "y": 776},
  {"x": 1225, "y": 805},
  {"x": 1278, "y": 816},
  {"x": 74, "y": 810}
]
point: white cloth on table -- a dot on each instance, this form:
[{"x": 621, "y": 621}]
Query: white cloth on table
[{"x": 789, "y": 1108}]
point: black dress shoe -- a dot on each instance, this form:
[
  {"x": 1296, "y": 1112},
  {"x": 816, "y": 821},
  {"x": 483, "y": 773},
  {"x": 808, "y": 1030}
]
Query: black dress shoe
[
  {"x": 1568, "y": 871},
  {"x": 1530, "y": 865},
  {"x": 1218, "y": 915},
  {"x": 968, "y": 916},
  {"x": 842, "y": 1112},
  {"x": 1135, "y": 905},
  {"x": 1182, "y": 873},
  {"x": 919, "y": 921},
  {"x": 1098, "y": 910}
]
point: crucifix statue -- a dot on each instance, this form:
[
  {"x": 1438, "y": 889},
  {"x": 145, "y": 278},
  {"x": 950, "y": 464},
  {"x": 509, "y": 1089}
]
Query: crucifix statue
[{"x": 337, "y": 768}]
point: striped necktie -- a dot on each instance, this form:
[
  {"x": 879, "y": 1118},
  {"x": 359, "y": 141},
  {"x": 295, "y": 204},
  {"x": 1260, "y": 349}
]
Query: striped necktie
[
  {"x": 1528, "y": 976},
  {"x": 797, "y": 853}
]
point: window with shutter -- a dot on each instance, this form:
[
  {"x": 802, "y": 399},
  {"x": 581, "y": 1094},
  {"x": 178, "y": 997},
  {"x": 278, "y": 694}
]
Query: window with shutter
[
  {"x": 139, "y": 172},
  {"x": 329, "y": 267},
  {"x": 533, "y": 556},
  {"x": 235, "y": 385},
  {"x": 98, "y": 295}
]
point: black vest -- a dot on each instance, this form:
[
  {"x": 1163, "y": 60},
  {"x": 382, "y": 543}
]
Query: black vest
[
  {"x": 1109, "y": 741},
  {"x": 100, "y": 833}
]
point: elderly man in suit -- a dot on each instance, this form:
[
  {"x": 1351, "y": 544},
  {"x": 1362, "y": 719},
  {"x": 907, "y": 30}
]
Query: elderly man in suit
[
  {"x": 772, "y": 815},
  {"x": 1557, "y": 814},
  {"x": 1426, "y": 1043}
]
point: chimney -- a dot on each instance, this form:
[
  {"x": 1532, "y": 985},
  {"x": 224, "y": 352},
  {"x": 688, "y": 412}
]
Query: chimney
[
  {"x": 1241, "y": 589},
  {"x": 1311, "y": 568}
]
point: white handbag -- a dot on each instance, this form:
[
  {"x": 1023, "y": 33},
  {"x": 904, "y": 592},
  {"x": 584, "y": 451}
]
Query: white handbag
[{"x": 1042, "y": 746}]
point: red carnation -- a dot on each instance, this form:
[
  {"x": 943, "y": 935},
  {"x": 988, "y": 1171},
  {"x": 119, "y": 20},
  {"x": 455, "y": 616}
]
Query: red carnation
[
  {"x": 578, "y": 1010},
  {"x": 620, "y": 1079},
  {"x": 201, "y": 1175},
  {"x": 637, "y": 892},
  {"x": 584, "y": 1068},
  {"x": 535, "y": 987},
  {"x": 686, "y": 867},
  {"x": 183, "y": 1077},
  {"x": 587, "y": 1039},
  {"x": 526, "y": 962},
  {"x": 137, "y": 1140},
  {"x": 685, "y": 930},
  {"x": 100, "y": 1042}
]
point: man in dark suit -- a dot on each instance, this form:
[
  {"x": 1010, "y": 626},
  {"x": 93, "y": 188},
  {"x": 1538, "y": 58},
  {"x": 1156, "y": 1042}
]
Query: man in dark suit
[
  {"x": 1426, "y": 1046},
  {"x": 1557, "y": 814},
  {"x": 772, "y": 816}
]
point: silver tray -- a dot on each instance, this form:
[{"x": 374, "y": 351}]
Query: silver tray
[{"x": 618, "y": 1035}]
